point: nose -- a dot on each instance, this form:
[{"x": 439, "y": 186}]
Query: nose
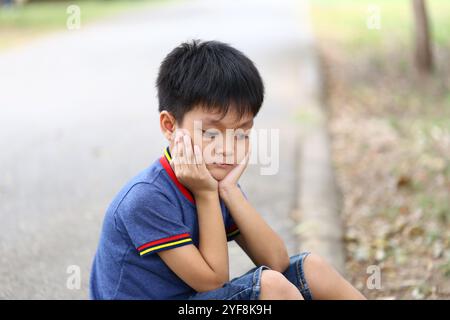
[{"x": 225, "y": 148}]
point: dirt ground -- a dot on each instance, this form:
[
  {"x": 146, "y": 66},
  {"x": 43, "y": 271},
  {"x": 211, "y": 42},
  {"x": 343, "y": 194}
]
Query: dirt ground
[{"x": 390, "y": 133}]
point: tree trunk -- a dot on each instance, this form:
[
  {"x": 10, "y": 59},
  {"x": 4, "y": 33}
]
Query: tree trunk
[{"x": 424, "y": 58}]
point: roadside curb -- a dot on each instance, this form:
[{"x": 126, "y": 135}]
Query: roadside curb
[
  {"x": 318, "y": 200},
  {"x": 320, "y": 229}
]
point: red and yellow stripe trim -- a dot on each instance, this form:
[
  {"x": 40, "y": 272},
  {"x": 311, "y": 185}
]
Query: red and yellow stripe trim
[
  {"x": 165, "y": 243},
  {"x": 166, "y": 165},
  {"x": 232, "y": 231}
]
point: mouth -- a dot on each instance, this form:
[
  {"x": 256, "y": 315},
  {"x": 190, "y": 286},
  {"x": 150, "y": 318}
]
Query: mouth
[{"x": 222, "y": 165}]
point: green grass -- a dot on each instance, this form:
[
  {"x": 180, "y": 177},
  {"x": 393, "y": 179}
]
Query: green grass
[
  {"x": 22, "y": 23},
  {"x": 346, "y": 21},
  {"x": 54, "y": 15}
]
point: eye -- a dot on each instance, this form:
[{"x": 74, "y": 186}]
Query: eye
[
  {"x": 241, "y": 136},
  {"x": 209, "y": 134}
]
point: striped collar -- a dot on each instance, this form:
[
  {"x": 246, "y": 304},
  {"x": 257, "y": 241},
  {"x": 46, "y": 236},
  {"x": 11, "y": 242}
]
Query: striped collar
[{"x": 165, "y": 161}]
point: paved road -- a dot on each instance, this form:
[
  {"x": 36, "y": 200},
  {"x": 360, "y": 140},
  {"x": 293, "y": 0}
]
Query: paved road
[{"x": 78, "y": 118}]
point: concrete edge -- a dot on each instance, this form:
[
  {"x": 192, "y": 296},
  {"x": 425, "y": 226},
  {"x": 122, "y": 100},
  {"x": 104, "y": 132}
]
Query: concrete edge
[{"x": 320, "y": 226}]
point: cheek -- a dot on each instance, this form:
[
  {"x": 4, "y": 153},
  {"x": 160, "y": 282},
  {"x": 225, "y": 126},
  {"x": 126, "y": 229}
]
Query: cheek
[
  {"x": 209, "y": 151},
  {"x": 241, "y": 148}
]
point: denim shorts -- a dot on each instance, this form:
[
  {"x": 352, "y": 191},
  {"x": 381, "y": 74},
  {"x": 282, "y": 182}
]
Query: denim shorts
[{"x": 248, "y": 286}]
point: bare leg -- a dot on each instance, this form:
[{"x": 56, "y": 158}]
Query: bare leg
[
  {"x": 326, "y": 283},
  {"x": 275, "y": 286}
]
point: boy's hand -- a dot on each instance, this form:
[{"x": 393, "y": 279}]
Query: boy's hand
[
  {"x": 190, "y": 168},
  {"x": 231, "y": 179}
]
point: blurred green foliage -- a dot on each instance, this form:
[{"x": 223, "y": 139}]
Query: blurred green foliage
[
  {"x": 53, "y": 14},
  {"x": 22, "y": 23},
  {"x": 346, "y": 20}
]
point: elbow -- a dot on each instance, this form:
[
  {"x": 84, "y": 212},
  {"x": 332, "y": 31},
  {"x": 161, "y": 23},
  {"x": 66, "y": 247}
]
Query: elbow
[
  {"x": 280, "y": 267},
  {"x": 285, "y": 264},
  {"x": 220, "y": 281},
  {"x": 212, "y": 283},
  {"x": 281, "y": 263}
]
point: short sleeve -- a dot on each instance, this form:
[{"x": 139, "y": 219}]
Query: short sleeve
[
  {"x": 151, "y": 221},
  {"x": 232, "y": 229}
]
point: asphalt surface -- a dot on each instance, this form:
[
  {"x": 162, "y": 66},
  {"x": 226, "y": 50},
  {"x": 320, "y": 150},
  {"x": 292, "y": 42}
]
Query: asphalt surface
[{"x": 78, "y": 118}]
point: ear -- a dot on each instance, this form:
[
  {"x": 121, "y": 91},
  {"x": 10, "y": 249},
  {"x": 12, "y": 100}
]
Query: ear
[{"x": 168, "y": 124}]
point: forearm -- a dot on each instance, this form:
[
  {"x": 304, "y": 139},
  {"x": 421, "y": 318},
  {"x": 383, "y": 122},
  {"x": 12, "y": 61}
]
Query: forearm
[
  {"x": 271, "y": 251},
  {"x": 213, "y": 240}
]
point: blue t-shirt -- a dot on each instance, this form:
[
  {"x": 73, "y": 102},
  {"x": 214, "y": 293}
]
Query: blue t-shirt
[{"x": 153, "y": 212}]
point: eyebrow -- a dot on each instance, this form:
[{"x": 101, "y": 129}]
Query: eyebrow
[{"x": 212, "y": 121}]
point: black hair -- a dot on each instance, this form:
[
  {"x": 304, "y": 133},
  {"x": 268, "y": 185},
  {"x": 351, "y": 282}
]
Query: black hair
[{"x": 210, "y": 74}]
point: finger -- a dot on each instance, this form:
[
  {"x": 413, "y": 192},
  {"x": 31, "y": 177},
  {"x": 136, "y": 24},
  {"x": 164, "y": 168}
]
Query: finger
[
  {"x": 198, "y": 156},
  {"x": 242, "y": 154},
  {"x": 173, "y": 154},
  {"x": 244, "y": 161},
  {"x": 175, "y": 159},
  {"x": 180, "y": 148},
  {"x": 247, "y": 157},
  {"x": 188, "y": 150}
]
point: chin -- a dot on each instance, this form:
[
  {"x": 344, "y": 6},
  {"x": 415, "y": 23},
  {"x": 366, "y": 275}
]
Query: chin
[{"x": 218, "y": 173}]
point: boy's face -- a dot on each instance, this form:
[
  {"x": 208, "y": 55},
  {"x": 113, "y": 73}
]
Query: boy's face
[{"x": 224, "y": 140}]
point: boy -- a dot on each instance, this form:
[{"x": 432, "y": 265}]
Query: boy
[{"x": 165, "y": 234}]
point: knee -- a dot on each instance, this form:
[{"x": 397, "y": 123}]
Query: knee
[
  {"x": 315, "y": 263},
  {"x": 277, "y": 286},
  {"x": 316, "y": 260}
]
